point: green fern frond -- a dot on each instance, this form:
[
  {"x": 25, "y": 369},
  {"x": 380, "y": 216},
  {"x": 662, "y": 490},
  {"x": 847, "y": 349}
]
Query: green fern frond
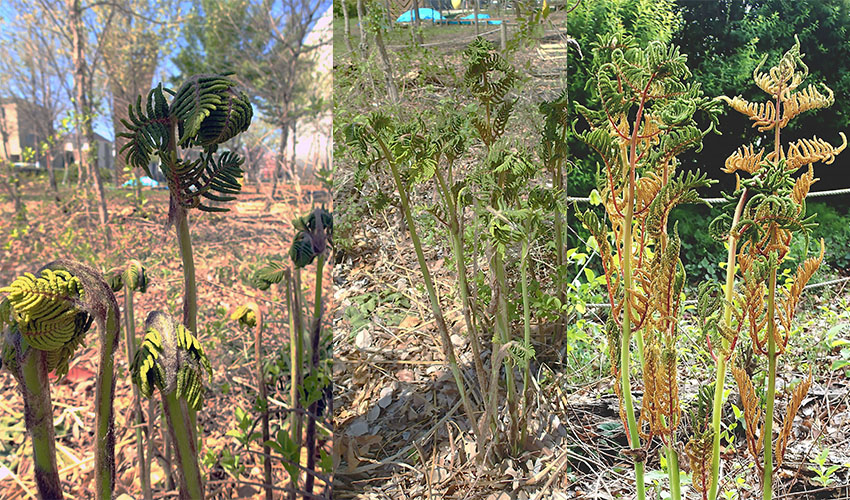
[
  {"x": 48, "y": 311},
  {"x": 148, "y": 129},
  {"x": 680, "y": 189},
  {"x": 170, "y": 359},
  {"x": 273, "y": 272},
  {"x": 133, "y": 274},
  {"x": 245, "y": 316}
]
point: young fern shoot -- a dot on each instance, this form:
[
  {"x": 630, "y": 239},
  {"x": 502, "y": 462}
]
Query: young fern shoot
[
  {"x": 775, "y": 209},
  {"x": 132, "y": 278},
  {"x": 47, "y": 317},
  {"x": 172, "y": 360},
  {"x": 645, "y": 119}
]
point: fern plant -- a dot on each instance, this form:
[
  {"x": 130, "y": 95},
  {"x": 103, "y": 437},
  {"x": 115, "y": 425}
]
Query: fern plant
[
  {"x": 311, "y": 243},
  {"x": 645, "y": 118},
  {"x": 172, "y": 360},
  {"x": 251, "y": 316},
  {"x": 133, "y": 278},
  {"x": 46, "y": 318},
  {"x": 770, "y": 209},
  {"x": 204, "y": 113}
]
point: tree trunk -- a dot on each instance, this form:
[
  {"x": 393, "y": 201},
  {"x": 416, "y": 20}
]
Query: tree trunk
[
  {"x": 388, "y": 14},
  {"x": 363, "y": 45},
  {"x": 387, "y": 67},
  {"x": 417, "y": 24},
  {"x": 475, "y": 2},
  {"x": 347, "y": 30},
  {"x": 83, "y": 92}
]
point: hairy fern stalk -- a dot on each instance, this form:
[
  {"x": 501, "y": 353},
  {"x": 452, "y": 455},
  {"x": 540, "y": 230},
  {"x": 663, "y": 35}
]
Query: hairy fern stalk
[
  {"x": 769, "y": 209},
  {"x": 47, "y": 316},
  {"x": 644, "y": 119}
]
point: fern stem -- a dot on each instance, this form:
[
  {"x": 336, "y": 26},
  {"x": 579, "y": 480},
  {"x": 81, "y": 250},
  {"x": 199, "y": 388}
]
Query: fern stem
[
  {"x": 190, "y": 290},
  {"x": 503, "y": 327},
  {"x": 673, "y": 470},
  {"x": 526, "y": 320},
  {"x": 625, "y": 341},
  {"x": 179, "y": 423},
  {"x": 261, "y": 386},
  {"x": 456, "y": 237},
  {"x": 448, "y": 348},
  {"x": 315, "y": 336},
  {"x": 720, "y": 379},
  {"x": 38, "y": 414},
  {"x": 130, "y": 339},
  {"x": 771, "y": 389}
]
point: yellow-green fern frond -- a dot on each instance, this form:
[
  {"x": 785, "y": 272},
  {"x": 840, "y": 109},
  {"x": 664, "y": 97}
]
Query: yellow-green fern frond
[
  {"x": 170, "y": 359},
  {"x": 49, "y": 312}
]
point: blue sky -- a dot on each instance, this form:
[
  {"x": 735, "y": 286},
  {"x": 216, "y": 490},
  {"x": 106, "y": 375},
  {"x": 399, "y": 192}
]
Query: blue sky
[{"x": 103, "y": 123}]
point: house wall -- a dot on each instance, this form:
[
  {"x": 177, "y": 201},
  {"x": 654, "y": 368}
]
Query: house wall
[{"x": 9, "y": 121}]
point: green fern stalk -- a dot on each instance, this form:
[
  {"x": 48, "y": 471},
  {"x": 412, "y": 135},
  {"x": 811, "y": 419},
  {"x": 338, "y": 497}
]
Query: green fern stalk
[
  {"x": 38, "y": 410},
  {"x": 131, "y": 279},
  {"x": 315, "y": 336},
  {"x": 432, "y": 295},
  {"x": 720, "y": 379},
  {"x": 526, "y": 323}
]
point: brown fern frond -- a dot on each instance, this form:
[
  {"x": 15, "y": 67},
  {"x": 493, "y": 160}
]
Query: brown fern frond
[
  {"x": 807, "y": 151},
  {"x": 667, "y": 387},
  {"x": 800, "y": 102},
  {"x": 802, "y": 186},
  {"x": 752, "y": 413},
  {"x": 788, "y": 304},
  {"x": 648, "y": 422},
  {"x": 796, "y": 399},
  {"x": 763, "y": 114},
  {"x": 744, "y": 159},
  {"x": 646, "y": 190},
  {"x": 698, "y": 450}
]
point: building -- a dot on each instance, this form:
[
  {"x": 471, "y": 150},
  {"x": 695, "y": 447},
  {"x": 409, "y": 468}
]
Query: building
[
  {"x": 23, "y": 125},
  {"x": 105, "y": 151}
]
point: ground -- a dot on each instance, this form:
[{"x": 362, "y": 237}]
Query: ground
[
  {"x": 228, "y": 248},
  {"x": 400, "y": 428}
]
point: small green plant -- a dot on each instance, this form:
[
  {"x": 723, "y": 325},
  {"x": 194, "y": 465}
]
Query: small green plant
[
  {"x": 132, "y": 278},
  {"x": 251, "y": 316},
  {"x": 312, "y": 241},
  {"x": 47, "y": 317},
  {"x": 824, "y": 474}
]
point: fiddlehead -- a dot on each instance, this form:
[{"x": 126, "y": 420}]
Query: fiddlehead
[
  {"x": 206, "y": 111},
  {"x": 170, "y": 359}
]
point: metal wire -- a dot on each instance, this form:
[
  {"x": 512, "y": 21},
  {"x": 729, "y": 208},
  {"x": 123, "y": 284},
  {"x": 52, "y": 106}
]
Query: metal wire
[{"x": 717, "y": 201}]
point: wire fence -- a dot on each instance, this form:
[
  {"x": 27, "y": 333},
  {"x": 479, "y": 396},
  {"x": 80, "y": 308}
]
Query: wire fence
[{"x": 717, "y": 201}]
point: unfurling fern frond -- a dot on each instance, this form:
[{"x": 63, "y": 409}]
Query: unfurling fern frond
[
  {"x": 785, "y": 433},
  {"x": 680, "y": 189},
  {"x": 752, "y": 413},
  {"x": 49, "y": 312},
  {"x": 272, "y": 273},
  {"x": 245, "y": 315},
  {"x": 762, "y": 114},
  {"x": 698, "y": 451},
  {"x": 170, "y": 359},
  {"x": 206, "y": 111},
  {"x": 133, "y": 275},
  {"x": 148, "y": 129},
  {"x": 314, "y": 234}
]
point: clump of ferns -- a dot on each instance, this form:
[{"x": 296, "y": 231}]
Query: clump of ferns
[
  {"x": 496, "y": 192},
  {"x": 645, "y": 118},
  {"x": 312, "y": 242},
  {"x": 172, "y": 360},
  {"x": 46, "y": 316},
  {"x": 768, "y": 208},
  {"x": 130, "y": 279}
]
